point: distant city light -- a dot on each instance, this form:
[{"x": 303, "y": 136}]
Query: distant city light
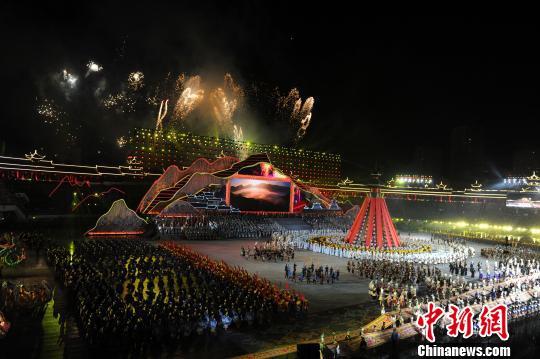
[
  {"x": 413, "y": 179},
  {"x": 515, "y": 181}
]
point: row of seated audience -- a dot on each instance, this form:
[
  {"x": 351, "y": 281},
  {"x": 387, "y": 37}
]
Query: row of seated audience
[
  {"x": 218, "y": 226},
  {"x": 505, "y": 252},
  {"x": 325, "y": 221},
  {"x": 235, "y": 225},
  {"x": 489, "y": 211}
]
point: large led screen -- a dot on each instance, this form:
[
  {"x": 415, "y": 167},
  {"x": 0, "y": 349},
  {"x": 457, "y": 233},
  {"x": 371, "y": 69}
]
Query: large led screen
[
  {"x": 523, "y": 200},
  {"x": 248, "y": 194}
]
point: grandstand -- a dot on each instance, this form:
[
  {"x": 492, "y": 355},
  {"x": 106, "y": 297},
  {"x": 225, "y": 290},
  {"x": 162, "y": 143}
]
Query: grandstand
[{"x": 487, "y": 211}]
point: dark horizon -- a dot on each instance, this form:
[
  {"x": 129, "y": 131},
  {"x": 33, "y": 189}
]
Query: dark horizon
[{"x": 452, "y": 97}]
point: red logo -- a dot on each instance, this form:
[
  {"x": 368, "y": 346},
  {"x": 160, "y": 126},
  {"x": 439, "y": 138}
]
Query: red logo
[
  {"x": 460, "y": 321},
  {"x": 429, "y": 319},
  {"x": 491, "y": 321},
  {"x": 494, "y": 321}
]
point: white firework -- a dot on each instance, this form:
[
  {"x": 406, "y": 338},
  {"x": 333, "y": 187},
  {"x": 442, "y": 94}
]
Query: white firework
[
  {"x": 94, "y": 67},
  {"x": 69, "y": 78}
]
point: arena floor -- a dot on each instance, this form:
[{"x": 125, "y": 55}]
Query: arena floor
[
  {"x": 333, "y": 307},
  {"x": 349, "y": 290}
]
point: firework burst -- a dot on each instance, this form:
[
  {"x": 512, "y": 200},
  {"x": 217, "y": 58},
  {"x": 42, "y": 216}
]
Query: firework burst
[
  {"x": 93, "y": 67},
  {"x": 303, "y": 117},
  {"x": 238, "y": 136},
  {"x": 135, "y": 80},
  {"x": 70, "y": 80},
  {"x": 224, "y": 101},
  {"x": 223, "y": 107},
  {"x": 55, "y": 119},
  {"x": 50, "y": 112},
  {"x": 121, "y": 141},
  {"x": 191, "y": 96},
  {"x": 161, "y": 114},
  {"x": 119, "y": 102},
  {"x": 296, "y": 112}
]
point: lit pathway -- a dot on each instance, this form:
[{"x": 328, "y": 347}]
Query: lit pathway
[{"x": 51, "y": 348}]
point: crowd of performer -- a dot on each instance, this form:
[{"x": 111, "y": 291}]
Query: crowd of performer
[
  {"x": 311, "y": 274},
  {"x": 518, "y": 286},
  {"x": 332, "y": 244},
  {"x": 271, "y": 250},
  {"x": 18, "y": 299},
  {"x": 399, "y": 272},
  {"x": 394, "y": 284},
  {"x": 217, "y": 226},
  {"x": 137, "y": 296}
]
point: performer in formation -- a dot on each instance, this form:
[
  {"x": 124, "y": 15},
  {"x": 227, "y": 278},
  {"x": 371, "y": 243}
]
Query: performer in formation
[
  {"x": 331, "y": 243},
  {"x": 393, "y": 284},
  {"x": 271, "y": 250},
  {"x": 312, "y": 275},
  {"x": 518, "y": 285},
  {"x": 135, "y": 295}
]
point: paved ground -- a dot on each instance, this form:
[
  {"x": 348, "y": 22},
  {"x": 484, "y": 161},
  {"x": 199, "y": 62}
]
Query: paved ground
[
  {"x": 333, "y": 308},
  {"x": 349, "y": 290}
]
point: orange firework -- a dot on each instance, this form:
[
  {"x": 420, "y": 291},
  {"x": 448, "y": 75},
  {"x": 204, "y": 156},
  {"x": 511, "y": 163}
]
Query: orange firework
[
  {"x": 223, "y": 107},
  {"x": 297, "y": 113},
  {"x": 225, "y": 100},
  {"x": 304, "y": 117},
  {"x": 191, "y": 96},
  {"x": 232, "y": 87},
  {"x": 161, "y": 114}
]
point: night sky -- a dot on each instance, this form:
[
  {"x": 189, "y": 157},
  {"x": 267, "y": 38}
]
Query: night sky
[{"x": 392, "y": 94}]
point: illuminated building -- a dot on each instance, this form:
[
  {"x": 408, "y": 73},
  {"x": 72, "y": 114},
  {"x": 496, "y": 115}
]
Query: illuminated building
[{"x": 156, "y": 150}]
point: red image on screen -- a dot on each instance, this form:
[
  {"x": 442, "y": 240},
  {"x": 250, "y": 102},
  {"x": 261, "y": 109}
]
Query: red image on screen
[{"x": 254, "y": 194}]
